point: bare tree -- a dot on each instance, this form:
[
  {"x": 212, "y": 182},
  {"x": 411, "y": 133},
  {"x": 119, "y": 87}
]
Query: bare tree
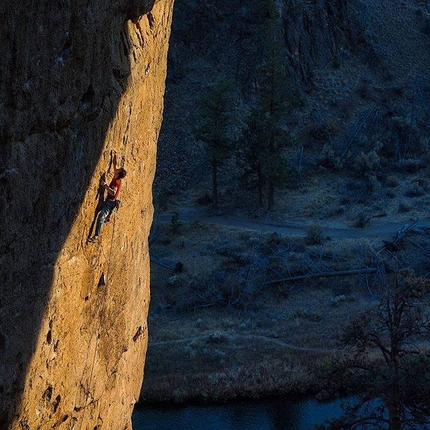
[{"x": 394, "y": 385}]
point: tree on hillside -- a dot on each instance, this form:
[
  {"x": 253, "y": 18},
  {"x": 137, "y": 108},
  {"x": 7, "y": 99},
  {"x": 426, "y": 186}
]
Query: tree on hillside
[
  {"x": 217, "y": 107},
  {"x": 394, "y": 388},
  {"x": 266, "y": 137},
  {"x": 252, "y": 152}
]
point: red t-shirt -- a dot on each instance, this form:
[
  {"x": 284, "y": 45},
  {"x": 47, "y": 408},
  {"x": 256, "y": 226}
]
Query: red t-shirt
[{"x": 115, "y": 185}]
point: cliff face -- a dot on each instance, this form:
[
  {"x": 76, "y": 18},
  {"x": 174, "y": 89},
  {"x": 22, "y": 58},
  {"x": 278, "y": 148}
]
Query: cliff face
[
  {"x": 315, "y": 33},
  {"x": 77, "y": 79}
]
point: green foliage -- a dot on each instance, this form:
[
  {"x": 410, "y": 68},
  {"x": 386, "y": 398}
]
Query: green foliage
[
  {"x": 362, "y": 220},
  {"x": 314, "y": 235},
  {"x": 404, "y": 207},
  {"x": 417, "y": 189},
  {"x": 216, "y": 119},
  {"x": 366, "y": 163},
  {"x": 215, "y": 127},
  {"x": 163, "y": 198},
  {"x": 307, "y": 315},
  {"x": 262, "y": 153},
  {"x": 175, "y": 224},
  {"x": 293, "y": 7}
]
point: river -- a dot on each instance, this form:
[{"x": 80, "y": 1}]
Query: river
[{"x": 269, "y": 414}]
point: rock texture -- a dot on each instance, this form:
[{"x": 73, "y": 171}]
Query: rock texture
[
  {"x": 315, "y": 33},
  {"x": 78, "y": 78}
]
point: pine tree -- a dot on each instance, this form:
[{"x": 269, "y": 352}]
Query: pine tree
[
  {"x": 215, "y": 129},
  {"x": 252, "y": 153},
  {"x": 266, "y": 138}
]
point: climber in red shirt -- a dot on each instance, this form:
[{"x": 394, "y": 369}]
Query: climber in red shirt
[{"x": 112, "y": 194}]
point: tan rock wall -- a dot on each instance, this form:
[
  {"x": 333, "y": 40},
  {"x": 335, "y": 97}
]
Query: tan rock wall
[{"x": 78, "y": 79}]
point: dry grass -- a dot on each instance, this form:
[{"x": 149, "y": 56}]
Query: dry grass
[{"x": 271, "y": 342}]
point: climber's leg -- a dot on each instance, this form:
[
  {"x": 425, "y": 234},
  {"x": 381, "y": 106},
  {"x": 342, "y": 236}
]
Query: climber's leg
[{"x": 107, "y": 207}]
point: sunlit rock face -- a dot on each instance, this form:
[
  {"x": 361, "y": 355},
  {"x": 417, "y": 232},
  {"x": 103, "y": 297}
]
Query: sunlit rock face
[{"x": 77, "y": 78}]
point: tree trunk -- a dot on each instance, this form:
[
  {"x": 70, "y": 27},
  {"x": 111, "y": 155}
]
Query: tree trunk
[
  {"x": 260, "y": 186},
  {"x": 215, "y": 185},
  {"x": 393, "y": 416},
  {"x": 394, "y": 406},
  {"x": 270, "y": 192}
]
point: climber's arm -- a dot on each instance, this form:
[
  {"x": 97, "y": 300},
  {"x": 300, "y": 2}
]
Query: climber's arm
[
  {"x": 113, "y": 158},
  {"x": 111, "y": 190}
]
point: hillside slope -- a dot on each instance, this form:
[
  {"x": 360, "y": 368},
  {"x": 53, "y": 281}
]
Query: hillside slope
[{"x": 360, "y": 72}]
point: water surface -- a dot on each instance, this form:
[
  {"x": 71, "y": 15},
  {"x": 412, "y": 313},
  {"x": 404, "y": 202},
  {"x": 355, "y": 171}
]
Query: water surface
[{"x": 272, "y": 414}]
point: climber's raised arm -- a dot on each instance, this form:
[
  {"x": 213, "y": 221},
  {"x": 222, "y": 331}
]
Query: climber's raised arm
[{"x": 113, "y": 158}]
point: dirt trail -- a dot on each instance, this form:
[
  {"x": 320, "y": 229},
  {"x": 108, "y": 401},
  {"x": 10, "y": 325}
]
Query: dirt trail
[{"x": 293, "y": 228}]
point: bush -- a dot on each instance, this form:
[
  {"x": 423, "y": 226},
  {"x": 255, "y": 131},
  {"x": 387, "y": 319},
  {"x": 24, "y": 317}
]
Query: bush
[
  {"x": 274, "y": 239},
  {"x": 425, "y": 27},
  {"x": 412, "y": 165},
  {"x": 307, "y": 315},
  {"x": 338, "y": 301},
  {"x": 416, "y": 190},
  {"x": 391, "y": 181},
  {"x": 362, "y": 220},
  {"x": 367, "y": 164},
  {"x": 328, "y": 158},
  {"x": 175, "y": 224},
  {"x": 360, "y": 191},
  {"x": 162, "y": 200},
  {"x": 314, "y": 235},
  {"x": 216, "y": 338},
  {"x": 205, "y": 200},
  {"x": 364, "y": 89},
  {"x": 404, "y": 208}
]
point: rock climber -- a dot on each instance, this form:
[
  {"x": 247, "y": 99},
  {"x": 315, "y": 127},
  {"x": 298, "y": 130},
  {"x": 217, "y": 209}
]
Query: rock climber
[{"x": 111, "y": 201}]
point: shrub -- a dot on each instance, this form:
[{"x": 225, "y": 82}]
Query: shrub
[
  {"x": 364, "y": 89},
  {"x": 391, "y": 181},
  {"x": 163, "y": 199},
  {"x": 217, "y": 337},
  {"x": 372, "y": 184},
  {"x": 307, "y": 315},
  {"x": 362, "y": 220},
  {"x": 338, "y": 301},
  {"x": 175, "y": 224},
  {"x": 314, "y": 235},
  {"x": 274, "y": 239},
  {"x": 425, "y": 27},
  {"x": 329, "y": 159},
  {"x": 416, "y": 190},
  {"x": 205, "y": 199},
  {"x": 365, "y": 164},
  {"x": 404, "y": 208},
  {"x": 244, "y": 235},
  {"x": 412, "y": 165}
]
